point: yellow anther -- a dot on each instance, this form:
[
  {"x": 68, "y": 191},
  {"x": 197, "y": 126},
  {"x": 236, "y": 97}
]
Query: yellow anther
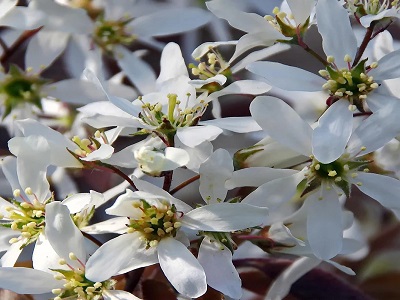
[
  {"x": 317, "y": 167},
  {"x": 28, "y": 191},
  {"x": 330, "y": 59},
  {"x": 17, "y": 193},
  {"x": 332, "y": 173}
]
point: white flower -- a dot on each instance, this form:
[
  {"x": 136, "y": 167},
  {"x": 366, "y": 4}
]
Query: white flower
[
  {"x": 154, "y": 235},
  {"x": 335, "y": 152},
  {"x": 62, "y": 270},
  {"x": 358, "y": 83}
]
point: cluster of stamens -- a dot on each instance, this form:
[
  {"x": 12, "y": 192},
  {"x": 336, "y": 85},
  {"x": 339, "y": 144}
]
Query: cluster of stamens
[
  {"x": 351, "y": 83},
  {"x": 109, "y": 33},
  {"x": 176, "y": 116},
  {"x": 212, "y": 66},
  {"x": 285, "y": 23},
  {"x": 155, "y": 222},
  {"x": 371, "y": 7},
  {"x": 77, "y": 286},
  {"x": 19, "y": 87},
  {"x": 87, "y": 146},
  {"x": 27, "y": 217},
  {"x": 336, "y": 173}
]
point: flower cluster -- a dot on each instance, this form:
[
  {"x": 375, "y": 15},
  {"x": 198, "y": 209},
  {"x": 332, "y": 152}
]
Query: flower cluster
[{"x": 205, "y": 167}]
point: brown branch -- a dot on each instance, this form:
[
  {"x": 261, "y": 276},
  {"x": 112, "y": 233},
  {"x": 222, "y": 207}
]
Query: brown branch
[{"x": 183, "y": 184}]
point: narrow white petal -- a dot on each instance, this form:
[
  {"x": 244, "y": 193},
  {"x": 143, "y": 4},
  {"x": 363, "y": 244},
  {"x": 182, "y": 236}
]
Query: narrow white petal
[
  {"x": 287, "y": 77},
  {"x": 44, "y": 48},
  {"x": 34, "y": 281},
  {"x": 251, "y": 87},
  {"x": 171, "y": 21},
  {"x": 138, "y": 72},
  {"x": 324, "y": 225},
  {"x": 301, "y": 9},
  {"x": 342, "y": 268},
  {"x": 235, "y": 124},
  {"x": 44, "y": 257},
  {"x": 172, "y": 63},
  {"x": 239, "y": 19},
  {"x": 276, "y": 192},
  {"x": 105, "y": 151},
  {"x": 328, "y": 13},
  {"x": 331, "y": 135},
  {"x": 213, "y": 174},
  {"x": 220, "y": 272},
  {"x": 62, "y": 232},
  {"x": 118, "y": 295},
  {"x": 175, "y": 158},
  {"x": 181, "y": 268},
  {"x": 202, "y": 50},
  {"x": 376, "y": 131},
  {"x": 10, "y": 257},
  {"x": 388, "y": 67},
  {"x": 193, "y": 136},
  {"x": 113, "y": 225},
  {"x": 281, "y": 286},
  {"x": 282, "y": 123},
  {"x": 256, "y": 176},
  {"x": 224, "y": 217},
  {"x": 23, "y": 18},
  {"x": 383, "y": 189},
  {"x": 104, "y": 263}
]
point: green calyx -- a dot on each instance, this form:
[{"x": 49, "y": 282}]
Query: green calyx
[{"x": 18, "y": 88}]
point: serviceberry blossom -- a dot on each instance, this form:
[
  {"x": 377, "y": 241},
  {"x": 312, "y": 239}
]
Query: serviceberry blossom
[{"x": 337, "y": 155}]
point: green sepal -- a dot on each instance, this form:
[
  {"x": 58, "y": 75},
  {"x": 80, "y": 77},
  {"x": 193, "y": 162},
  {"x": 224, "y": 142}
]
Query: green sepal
[{"x": 240, "y": 157}]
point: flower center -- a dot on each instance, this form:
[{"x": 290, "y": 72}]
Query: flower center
[
  {"x": 77, "y": 286},
  {"x": 286, "y": 24},
  {"x": 87, "y": 146},
  {"x": 26, "y": 217},
  {"x": 350, "y": 83},
  {"x": 18, "y": 88},
  {"x": 175, "y": 117},
  {"x": 109, "y": 33},
  {"x": 336, "y": 173},
  {"x": 371, "y": 7},
  {"x": 155, "y": 222}
]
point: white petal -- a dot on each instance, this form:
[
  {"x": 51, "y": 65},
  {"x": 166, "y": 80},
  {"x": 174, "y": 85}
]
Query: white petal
[
  {"x": 105, "y": 151},
  {"x": 220, "y": 272},
  {"x": 377, "y": 100},
  {"x": 256, "y": 176},
  {"x": 77, "y": 202},
  {"x": 75, "y": 91},
  {"x": 34, "y": 281},
  {"x": 388, "y": 67},
  {"x": 118, "y": 295},
  {"x": 138, "y": 72},
  {"x": 181, "y": 268},
  {"x": 376, "y": 131},
  {"x": 235, "y": 124},
  {"x": 331, "y": 135},
  {"x": 202, "y": 50},
  {"x": 342, "y": 268},
  {"x": 383, "y": 189},
  {"x": 224, "y": 217},
  {"x": 328, "y": 13},
  {"x": 176, "y": 158},
  {"x": 171, "y": 21},
  {"x": 62, "y": 232},
  {"x": 213, "y": 174},
  {"x": 104, "y": 263},
  {"x": 251, "y": 87},
  {"x": 287, "y": 77},
  {"x": 387, "y": 13},
  {"x": 172, "y": 63},
  {"x": 44, "y": 48},
  {"x": 301, "y": 9},
  {"x": 282, "y": 123},
  {"x": 198, "y": 83},
  {"x": 31, "y": 169},
  {"x": 324, "y": 225},
  {"x": 257, "y": 55},
  {"x": 114, "y": 225},
  {"x": 276, "y": 192},
  {"x": 10, "y": 257},
  {"x": 193, "y": 136},
  {"x": 281, "y": 286},
  {"x": 260, "y": 38},
  {"x": 22, "y": 18},
  {"x": 6, "y": 6},
  {"x": 44, "y": 257}
]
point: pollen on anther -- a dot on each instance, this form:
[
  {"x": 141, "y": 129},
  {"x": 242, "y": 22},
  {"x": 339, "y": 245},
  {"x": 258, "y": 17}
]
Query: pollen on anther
[
  {"x": 17, "y": 193},
  {"x": 332, "y": 173}
]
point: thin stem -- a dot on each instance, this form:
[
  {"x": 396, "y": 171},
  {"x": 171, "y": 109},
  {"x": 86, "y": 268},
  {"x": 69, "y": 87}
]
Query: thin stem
[
  {"x": 92, "y": 239},
  {"x": 3, "y": 45},
  {"x": 183, "y": 184},
  {"x": 10, "y": 51},
  {"x": 123, "y": 175},
  {"x": 364, "y": 44},
  {"x": 303, "y": 45},
  {"x": 167, "y": 181}
]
